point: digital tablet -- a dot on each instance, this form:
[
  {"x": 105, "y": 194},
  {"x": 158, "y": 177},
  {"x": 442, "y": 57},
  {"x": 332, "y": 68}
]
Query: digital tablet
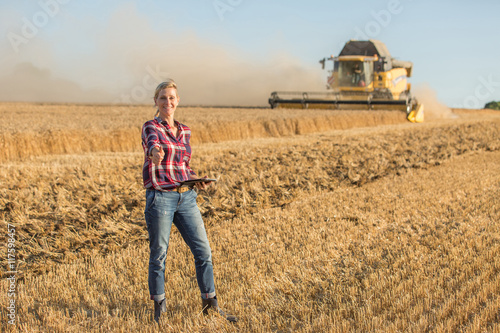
[{"x": 198, "y": 180}]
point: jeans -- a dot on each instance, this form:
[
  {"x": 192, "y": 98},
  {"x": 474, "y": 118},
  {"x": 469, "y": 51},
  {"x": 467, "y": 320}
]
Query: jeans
[{"x": 163, "y": 208}]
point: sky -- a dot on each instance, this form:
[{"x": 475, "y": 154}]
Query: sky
[{"x": 236, "y": 52}]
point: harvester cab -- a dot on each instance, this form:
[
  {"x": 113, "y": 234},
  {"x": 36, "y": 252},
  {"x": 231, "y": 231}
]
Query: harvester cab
[{"x": 363, "y": 75}]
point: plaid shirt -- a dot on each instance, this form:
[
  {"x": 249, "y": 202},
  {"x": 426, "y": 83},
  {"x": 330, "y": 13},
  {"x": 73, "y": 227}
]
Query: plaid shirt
[{"x": 174, "y": 167}]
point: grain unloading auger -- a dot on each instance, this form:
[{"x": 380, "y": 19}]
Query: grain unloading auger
[{"x": 363, "y": 76}]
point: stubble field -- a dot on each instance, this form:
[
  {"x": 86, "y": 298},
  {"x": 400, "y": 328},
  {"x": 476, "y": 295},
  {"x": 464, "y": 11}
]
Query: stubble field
[{"x": 321, "y": 221}]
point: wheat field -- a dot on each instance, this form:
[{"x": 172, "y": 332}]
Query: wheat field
[{"x": 321, "y": 221}]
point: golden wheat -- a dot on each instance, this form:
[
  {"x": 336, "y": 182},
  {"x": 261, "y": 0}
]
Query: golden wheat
[
  {"x": 393, "y": 255},
  {"x": 91, "y": 194},
  {"x": 391, "y": 228},
  {"x": 30, "y": 130}
]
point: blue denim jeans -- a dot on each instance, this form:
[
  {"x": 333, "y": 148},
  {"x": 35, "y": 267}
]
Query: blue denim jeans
[{"x": 163, "y": 208}]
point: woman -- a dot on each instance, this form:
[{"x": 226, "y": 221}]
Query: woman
[{"x": 167, "y": 155}]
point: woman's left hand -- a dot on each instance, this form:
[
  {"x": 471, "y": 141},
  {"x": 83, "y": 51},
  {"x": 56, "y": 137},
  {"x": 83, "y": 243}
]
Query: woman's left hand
[{"x": 203, "y": 185}]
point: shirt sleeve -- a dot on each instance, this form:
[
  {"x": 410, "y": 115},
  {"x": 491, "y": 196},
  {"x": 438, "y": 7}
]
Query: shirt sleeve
[{"x": 150, "y": 137}]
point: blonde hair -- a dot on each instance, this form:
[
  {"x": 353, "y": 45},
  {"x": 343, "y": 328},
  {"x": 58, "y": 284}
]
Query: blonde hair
[{"x": 170, "y": 83}]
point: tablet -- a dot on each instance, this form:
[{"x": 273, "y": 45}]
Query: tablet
[{"x": 198, "y": 180}]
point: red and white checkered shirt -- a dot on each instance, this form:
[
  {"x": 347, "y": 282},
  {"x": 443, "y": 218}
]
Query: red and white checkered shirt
[{"x": 174, "y": 167}]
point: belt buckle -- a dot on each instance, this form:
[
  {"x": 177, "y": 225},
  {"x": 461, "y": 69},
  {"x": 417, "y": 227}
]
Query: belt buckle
[{"x": 182, "y": 189}]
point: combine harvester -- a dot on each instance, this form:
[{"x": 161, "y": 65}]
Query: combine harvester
[{"x": 364, "y": 76}]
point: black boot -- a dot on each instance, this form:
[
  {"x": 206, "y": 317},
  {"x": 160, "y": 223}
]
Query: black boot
[
  {"x": 160, "y": 307},
  {"x": 212, "y": 303}
]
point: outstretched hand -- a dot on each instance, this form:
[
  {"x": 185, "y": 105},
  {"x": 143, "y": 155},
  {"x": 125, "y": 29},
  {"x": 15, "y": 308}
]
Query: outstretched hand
[{"x": 157, "y": 155}]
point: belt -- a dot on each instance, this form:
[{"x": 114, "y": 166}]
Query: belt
[{"x": 182, "y": 189}]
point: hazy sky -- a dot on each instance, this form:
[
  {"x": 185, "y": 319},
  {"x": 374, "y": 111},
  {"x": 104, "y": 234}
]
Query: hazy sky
[{"x": 237, "y": 51}]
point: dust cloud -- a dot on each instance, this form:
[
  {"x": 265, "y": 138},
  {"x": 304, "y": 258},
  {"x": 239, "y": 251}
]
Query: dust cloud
[
  {"x": 28, "y": 83},
  {"x": 125, "y": 61},
  {"x": 433, "y": 108}
]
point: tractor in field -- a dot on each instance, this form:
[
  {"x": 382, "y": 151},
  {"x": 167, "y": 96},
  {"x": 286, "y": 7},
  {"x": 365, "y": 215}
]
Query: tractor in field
[{"x": 362, "y": 76}]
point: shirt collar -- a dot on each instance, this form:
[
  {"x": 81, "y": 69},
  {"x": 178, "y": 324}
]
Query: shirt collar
[
  {"x": 167, "y": 126},
  {"x": 163, "y": 122}
]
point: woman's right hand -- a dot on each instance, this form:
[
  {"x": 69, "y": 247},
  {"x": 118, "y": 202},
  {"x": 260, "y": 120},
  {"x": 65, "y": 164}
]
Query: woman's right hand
[{"x": 157, "y": 155}]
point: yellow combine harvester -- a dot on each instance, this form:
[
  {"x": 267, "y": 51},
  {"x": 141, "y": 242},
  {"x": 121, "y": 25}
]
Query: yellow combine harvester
[{"x": 364, "y": 75}]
